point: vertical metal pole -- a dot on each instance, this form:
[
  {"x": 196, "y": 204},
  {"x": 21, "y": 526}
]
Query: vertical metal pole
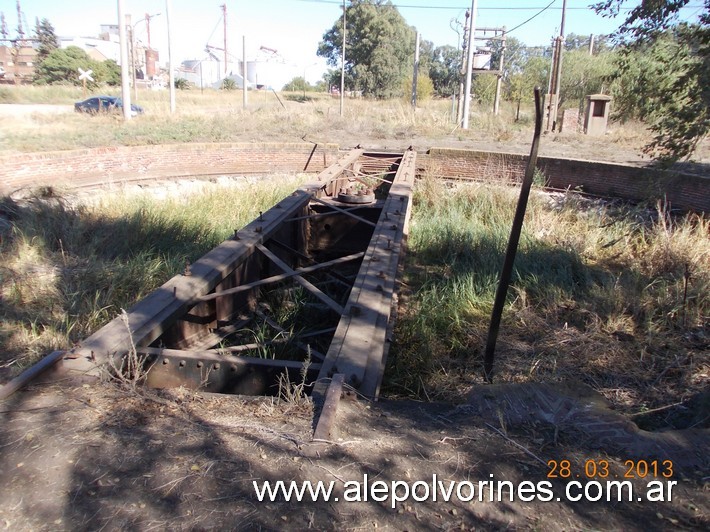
[
  {"x": 122, "y": 40},
  {"x": 515, "y": 231},
  {"x": 342, "y": 68},
  {"x": 499, "y": 81},
  {"x": 558, "y": 74},
  {"x": 244, "y": 70},
  {"x": 224, "y": 21},
  {"x": 147, "y": 27},
  {"x": 469, "y": 66},
  {"x": 462, "y": 71},
  {"x": 171, "y": 70},
  {"x": 415, "y": 75},
  {"x": 133, "y": 62},
  {"x": 591, "y": 44}
]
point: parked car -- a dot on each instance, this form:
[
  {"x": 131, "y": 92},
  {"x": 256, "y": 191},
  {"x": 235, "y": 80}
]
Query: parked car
[{"x": 106, "y": 104}]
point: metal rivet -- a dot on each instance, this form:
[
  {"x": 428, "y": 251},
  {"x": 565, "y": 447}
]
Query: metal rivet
[
  {"x": 166, "y": 362},
  {"x": 182, "y": 364},
  {"x": 200, "y": 364},
  {"x": 215, "y": 366}
]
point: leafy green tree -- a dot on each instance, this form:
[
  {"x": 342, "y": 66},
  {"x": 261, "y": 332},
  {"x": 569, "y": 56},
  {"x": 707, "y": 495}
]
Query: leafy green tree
[
  {"x": 379, "y": 48},
  {"x": 62, "y": 66},
  {"x": 108, "y": 72},
  {"x": 182, "y": 84},
  {"x": 583, "y": 74},
  {"x": 48, "y": 41},
  {"x": 425, "y": 88},
  {"x": 228, "y": 84},
  {"x": 483, "y": 88},
  {"x": 444, "y": 70},
  {"x": 533, "y": 73},
  {"x": 297, "y": 84},
  {"x": 581, "y": 42},
  {"x": 677, "y": 67}
]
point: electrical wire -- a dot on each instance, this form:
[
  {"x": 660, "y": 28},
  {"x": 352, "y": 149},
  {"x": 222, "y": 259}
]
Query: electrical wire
[
  {"x": 531, "y": 18},
  {"x": 498, "y": 8}
]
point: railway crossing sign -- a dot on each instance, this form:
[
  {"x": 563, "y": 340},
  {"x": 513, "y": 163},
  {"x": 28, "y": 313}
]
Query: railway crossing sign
[{"x": 83, "y": 76}]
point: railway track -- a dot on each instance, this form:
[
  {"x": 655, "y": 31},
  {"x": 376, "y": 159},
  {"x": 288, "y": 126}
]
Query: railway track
[{"x": 304, "y": 293}]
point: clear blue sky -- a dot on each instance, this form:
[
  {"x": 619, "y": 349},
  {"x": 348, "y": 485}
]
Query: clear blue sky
[{"x": 294, "y": 27}]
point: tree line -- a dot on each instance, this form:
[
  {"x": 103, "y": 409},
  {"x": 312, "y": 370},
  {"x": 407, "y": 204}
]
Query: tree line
[{"x": 656, "y": 67}]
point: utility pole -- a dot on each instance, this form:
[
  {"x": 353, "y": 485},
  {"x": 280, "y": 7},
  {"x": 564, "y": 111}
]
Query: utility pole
[
  {"x": 244, "y": 70},
  {"x": 591, "y": 44},
  {"x": 469, "y": 65},
  {"x": 224, "y": 20},
  {"x": 147, "y": 26},
  {"x": 462, "y": 70},
  {"x": 125, "y": 88},
  {"x": 171, "y": 70},
  {"x": 342, "y": 68},
  {"x": 415, "y": 75},
  {"x": 556, "y": 75},
  {"x": 499, "y": 81}
]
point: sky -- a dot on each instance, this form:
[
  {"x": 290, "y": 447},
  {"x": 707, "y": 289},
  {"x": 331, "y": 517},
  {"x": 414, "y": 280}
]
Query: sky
[{"x": 295, "y": 27}]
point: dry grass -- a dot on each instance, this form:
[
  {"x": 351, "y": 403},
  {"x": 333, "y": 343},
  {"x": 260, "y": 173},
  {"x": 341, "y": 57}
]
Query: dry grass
[
  {"x": 599, "y": 294},
  {"x": 218, "y": 116},
  {"x": 68, "y": 267}
]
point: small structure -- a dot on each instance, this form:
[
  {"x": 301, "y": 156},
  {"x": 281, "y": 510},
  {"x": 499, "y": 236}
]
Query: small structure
[{"x": 596, "y": 114}]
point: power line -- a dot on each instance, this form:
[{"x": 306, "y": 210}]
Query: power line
[
  {"x": 498, "y": 8},
  {"x": 535, "y": 15}
]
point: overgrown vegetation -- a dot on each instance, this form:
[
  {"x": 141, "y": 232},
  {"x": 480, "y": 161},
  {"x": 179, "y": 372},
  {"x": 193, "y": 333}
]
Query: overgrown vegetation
[
  {"x": 599, "y": 294},
  {"x": 68, "y": 268},
  {"x": 611, "y": 294}
]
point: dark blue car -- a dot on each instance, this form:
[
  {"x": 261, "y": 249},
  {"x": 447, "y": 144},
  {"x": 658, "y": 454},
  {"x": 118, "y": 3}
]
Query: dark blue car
[{"x": 106, "y": 104}]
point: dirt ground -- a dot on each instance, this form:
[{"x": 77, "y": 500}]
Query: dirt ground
[{"x": 81, "y": 457}]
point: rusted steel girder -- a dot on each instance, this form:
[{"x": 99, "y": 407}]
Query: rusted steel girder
[{"x": 191, "y": 330}]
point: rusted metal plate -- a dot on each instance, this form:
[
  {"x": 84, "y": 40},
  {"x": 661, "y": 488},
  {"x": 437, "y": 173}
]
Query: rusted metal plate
[
  {"x": 221, "y": 373},
  {"x": 357, "y": 349}
]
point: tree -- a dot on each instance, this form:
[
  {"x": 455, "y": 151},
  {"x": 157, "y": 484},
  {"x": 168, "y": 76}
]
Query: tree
[
  {"x": 62, "y": 66},
  {"x": 48, "y": 41},
  {"x": 679, "y": 70},
  {"x": 425, "y": 88},
  {"x": 228, "y": 84},
  {"x": 297, "y": 84},
  {"x": 444, "y": 70},
  {"x": 583, "y": 74},
  {"x": 379, "y": 47},
  {"x": 581, "y": 42},
  {"x": 533, "y": 73}
]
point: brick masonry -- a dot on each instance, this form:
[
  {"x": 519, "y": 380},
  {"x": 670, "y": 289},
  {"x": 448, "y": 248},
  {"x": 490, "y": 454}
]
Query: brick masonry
[
  {"x": 682, "y": 191},
  {"x": 91, "y": 167}
]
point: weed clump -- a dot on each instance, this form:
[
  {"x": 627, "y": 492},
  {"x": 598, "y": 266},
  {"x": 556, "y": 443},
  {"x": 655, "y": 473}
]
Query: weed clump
[{"x": 612, "y": 294}]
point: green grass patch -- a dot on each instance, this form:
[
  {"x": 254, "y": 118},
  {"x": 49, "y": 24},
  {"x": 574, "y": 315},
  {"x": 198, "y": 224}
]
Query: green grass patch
[{"x": 598, "y": 294}]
